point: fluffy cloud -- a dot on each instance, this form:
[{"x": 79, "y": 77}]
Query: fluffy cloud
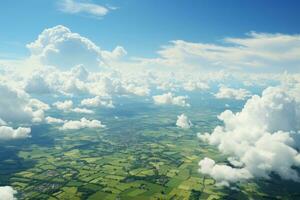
[
  {"x": 80, "y": 72},
  {"x": 8, "y": 133},
  {"x": 137, "y": 90},
  {"x": 73, "y": 7},
  {"x": 169, "y": 98},
  {"x": 263, "y": 137},
  {"x": 7, "y": 193},
  {"x": 59, "y": 43},
  {"x": 231, "y": 93},
  {"x": 17, "y": 106},
  {"x": 64, "y": 105},
  {"x": 82, "y": 110},
  {"x": 58, "y": 46},
  {"x": 78, "y": 81},
  {"x": 223, "y": 174},
  {"x": 97, "y": 101},
  {"x": 67, "y": 106},
  {"x": 82, "y": 123},
  {"x": 192, "y": 85},
  {"x": 36, "y": 84},
  {"x": 115, "y": 55},
  {"x": 183, "y": 122},
  {"x": 52, "y": 120}
]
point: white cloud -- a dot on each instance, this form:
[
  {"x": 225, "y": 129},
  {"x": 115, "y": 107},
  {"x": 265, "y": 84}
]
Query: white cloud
[
  {"x": 50, "y": 80},
  {"x": 97, "y": 101},
  {"x": 183, "y": 122},
  {"x": 52, "y": 120},
  {"x": 257, "y": 52},
  {"x": 82, "y": 123},
  {"x": 74, "y": 7},
  {"x": 36, "y": 84},
  {"x": 8, "y": 133},
  {"x": 38, "y": 105},
  {"x": 114, "y": 55},
  {"x": 223, "y": 174},
  {"x": 7, "y": 193},
  {"x": 137, "y": 90},
  {"x": 264, "y": 136},
  {"x": 17, "y": 106},
  {"x": 67, "y": 106},
  {"x": 64, "y": 105},
  {"x": 82, "y": 110},
  {"x": 169, "y": 98},
  {"x": 194, "y": 85},
  {"x": 58, "y": 44},
  {"x": 2, "y": 122},
  {"x": 60, "y": 47},
  {"x": 231, "y": 93},
  {"x": 80, "y": 72}
]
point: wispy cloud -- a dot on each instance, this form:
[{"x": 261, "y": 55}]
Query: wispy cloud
[
  {"x": 259, "y": 52},
  {"x": 76, "y": 7}
]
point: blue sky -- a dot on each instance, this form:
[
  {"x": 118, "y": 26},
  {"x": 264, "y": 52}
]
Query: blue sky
[{"x": 143, "y": 26}]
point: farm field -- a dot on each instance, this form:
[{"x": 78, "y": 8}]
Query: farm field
[{"x": 141, "y": 156}]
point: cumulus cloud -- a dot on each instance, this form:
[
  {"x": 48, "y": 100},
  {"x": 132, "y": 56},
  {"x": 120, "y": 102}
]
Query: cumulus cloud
[
  {"x": 74, "y": 7},
  {"x": 17, "y": 106},
  {"x": 36, "y": 84},
  {"x": 8, "y": 133},
  {"x": 64, "y": 105},
  {"x": 78, "y": 81},
  {"x": 58, "y": 46},
  {"x": 82, "y": 110},
  {"x": 169, "y": 98},
  {"x": 195, "y": 85},
  {"x": 118, "y": 53},
  {"x": 82, "y": 123},
  {"x": 183, "y": 122},
  {"x": 223, "y": 174},
  {"x": 231, "y": 93},
  {"x": 263, "y": 137},
  {"x": 52, "y": 120},
  {"x": 137, "y": 90},
  {"x": 97, "y": 101},
  {"x": 7, "y": 193},
  {"x": 67, "y": 106},
  {"x": 80, "y": 72}
]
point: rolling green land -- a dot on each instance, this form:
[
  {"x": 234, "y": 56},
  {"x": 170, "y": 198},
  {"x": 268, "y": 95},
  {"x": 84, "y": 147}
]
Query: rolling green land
[{"x": 138, "y": 156}]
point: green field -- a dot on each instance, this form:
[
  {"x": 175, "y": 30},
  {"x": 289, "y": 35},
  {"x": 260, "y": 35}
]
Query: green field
[{"x": 142, "y": 156}]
